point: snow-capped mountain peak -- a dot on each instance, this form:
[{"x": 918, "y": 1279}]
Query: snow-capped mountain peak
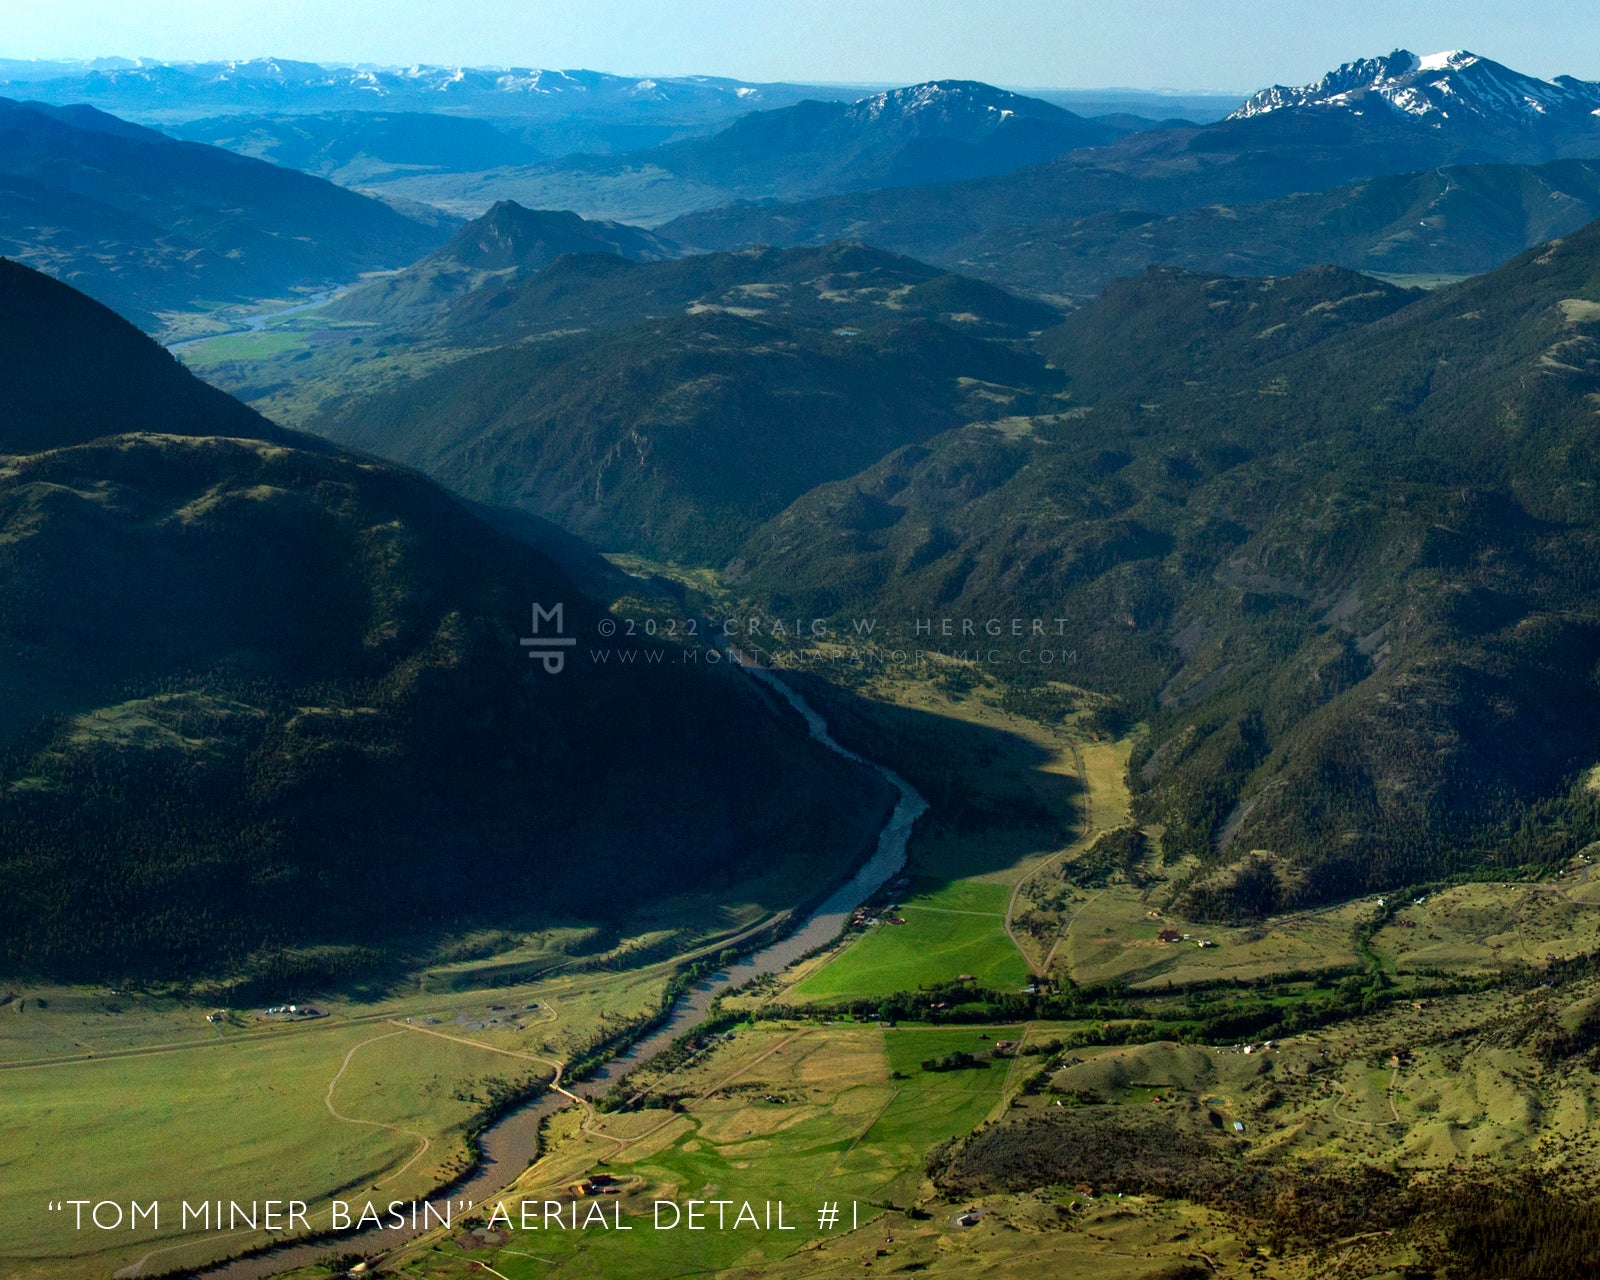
[{"x": 1442, "y": 90}]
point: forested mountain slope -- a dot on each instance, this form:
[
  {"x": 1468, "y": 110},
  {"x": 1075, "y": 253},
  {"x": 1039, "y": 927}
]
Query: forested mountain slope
[{"x": 265, "y": 707}]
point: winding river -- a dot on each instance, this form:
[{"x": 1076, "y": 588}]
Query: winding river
[
  {"x": 513, "y": 1142},
  {"x": 259, "y": 321}
]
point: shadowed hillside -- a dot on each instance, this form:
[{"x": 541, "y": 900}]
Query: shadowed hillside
[
  {"x": 1457, "y": 220},
  {"x": 148, "y": 225},
  {"x": 261, "y": 694}
]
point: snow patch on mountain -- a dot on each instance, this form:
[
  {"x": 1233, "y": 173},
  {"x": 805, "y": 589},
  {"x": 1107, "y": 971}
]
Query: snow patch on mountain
[{"x": 1454, "y": 60}]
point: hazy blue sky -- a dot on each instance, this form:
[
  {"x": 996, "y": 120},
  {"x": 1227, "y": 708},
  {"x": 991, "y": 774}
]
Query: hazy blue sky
[{"x": 1189, "y": 44}]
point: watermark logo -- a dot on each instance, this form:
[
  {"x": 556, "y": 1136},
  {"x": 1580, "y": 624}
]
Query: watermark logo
[{"x": 549, "y": 644}]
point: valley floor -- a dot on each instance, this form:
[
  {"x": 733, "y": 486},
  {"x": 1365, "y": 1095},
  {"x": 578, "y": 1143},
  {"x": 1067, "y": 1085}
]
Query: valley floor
[
  {"x": 1435, "y": 1041},
  {"x": 806, "y": 1102}
]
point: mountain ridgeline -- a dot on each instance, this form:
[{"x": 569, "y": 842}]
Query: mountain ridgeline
[
  {"x": 282, "y": 722},
  {"x": 1066, "y": 226},
  {"x": 508, "y": 240},
  {"x": 555, "y": 111},
  {"x": 353, "y": 147},
  {"x": 74, "y": 372},
  {"x": 149, "y": 225},
  {"x": 936, "y": 132},
  {"x": 704, "y": 395},
  {"x": 1455, "y": 93},
  {"x": 941, "y": 131},
  {"x": 1456, "y": 220}
]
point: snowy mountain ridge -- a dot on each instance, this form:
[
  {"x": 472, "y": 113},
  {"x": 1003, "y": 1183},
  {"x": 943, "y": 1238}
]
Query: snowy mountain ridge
[{"x": 1440, "y": 90}]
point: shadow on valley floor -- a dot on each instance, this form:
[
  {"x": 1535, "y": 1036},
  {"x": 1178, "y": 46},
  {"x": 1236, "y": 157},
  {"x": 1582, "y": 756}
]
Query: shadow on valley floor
[{"x": 995, "y": 796}]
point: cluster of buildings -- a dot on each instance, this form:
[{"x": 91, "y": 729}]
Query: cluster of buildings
[
  {"x": 596, "y": 1184},
  {"x": 292, "y": 1011},
  {"x": 1172, "y": 935}
]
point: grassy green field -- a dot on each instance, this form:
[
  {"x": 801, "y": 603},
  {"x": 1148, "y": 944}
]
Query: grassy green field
[
  {"x": 777, "y": 1113},
  {"x": 966, "y": 881},
  {"x": 296, "y": 362},
  {"x": 1113, "y": 937},
  {"x": 249, "y": 1120},
  {"x": 124, "y": 1095},
  {"x": 1478, "y": 927},
  {"x": 806, "y": 1112},
  {"x": 259, "y": 345},
  {"x": 955, "y": 929}
]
